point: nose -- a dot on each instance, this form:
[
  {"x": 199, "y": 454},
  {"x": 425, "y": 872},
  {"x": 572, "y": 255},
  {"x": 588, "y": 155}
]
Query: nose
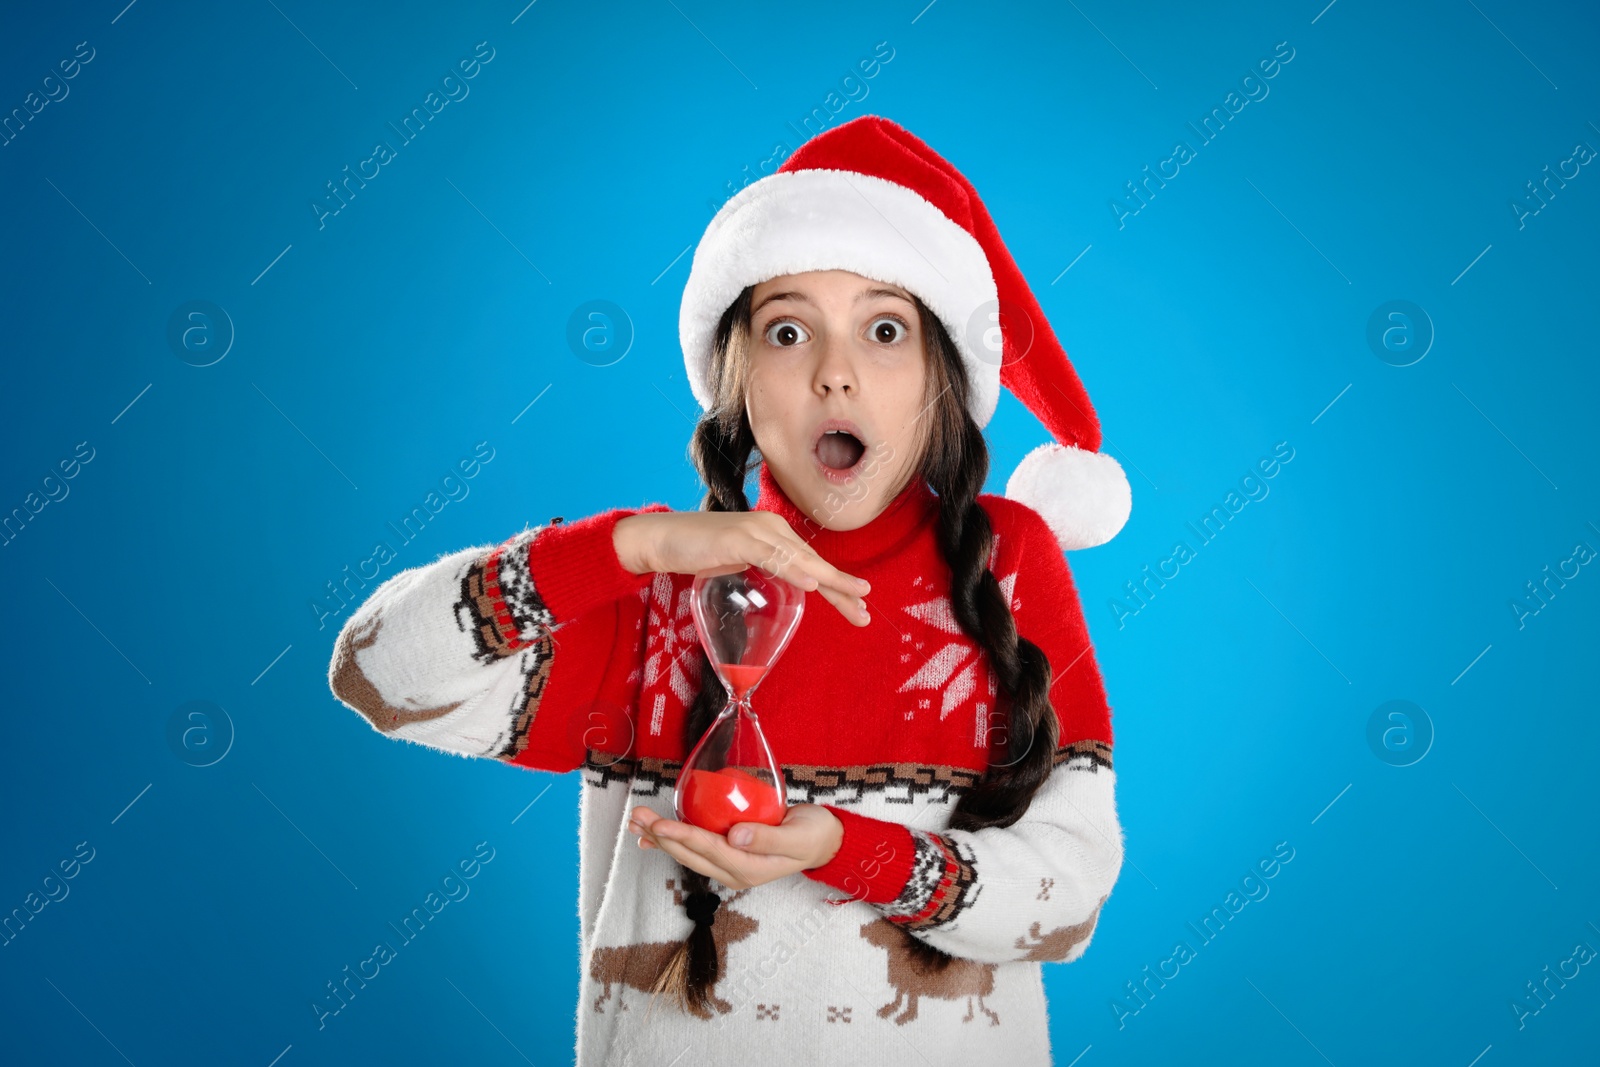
[{"x": 835, "y": 372}]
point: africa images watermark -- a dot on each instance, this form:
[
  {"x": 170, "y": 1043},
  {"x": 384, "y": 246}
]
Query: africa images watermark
[
  {"x": 453, "y": 888},
  {"x": 455, "y": 488},
  {"x": 854, "y": 89},
  {"x": 1138, "y": 196},
  {"x": 1138, "y": 596},
  {"x": 1538, "y": 196},
  {"x": 55, "y": 490},
  {"x": 55, "y": 90},
  {"x": 1538, "y": 597},
  {"x": 1538, "y": 997},
  {"x": 454, "y": 89},
  {"x": 54, "y": 890},
  {"x": 1254, "y": 889}
]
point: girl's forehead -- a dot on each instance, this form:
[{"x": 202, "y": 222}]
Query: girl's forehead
[{"x": 826, "y": 281}]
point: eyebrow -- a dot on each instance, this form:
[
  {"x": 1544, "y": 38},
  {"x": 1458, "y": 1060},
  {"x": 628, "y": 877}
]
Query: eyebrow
[{"x": 791, "y": 294}]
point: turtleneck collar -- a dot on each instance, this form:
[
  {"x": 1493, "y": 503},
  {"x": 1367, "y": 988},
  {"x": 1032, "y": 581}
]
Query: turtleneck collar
[{"x": 914, "y": 507}]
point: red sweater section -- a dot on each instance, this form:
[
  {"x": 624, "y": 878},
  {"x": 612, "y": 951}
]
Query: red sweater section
[
  {"x": 908, "y": 688},
  {"x": 575, "y": 565},
  {"x": 873, "y": 863}
]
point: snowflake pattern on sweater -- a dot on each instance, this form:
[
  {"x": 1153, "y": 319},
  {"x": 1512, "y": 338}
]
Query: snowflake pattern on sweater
[{"x": 543, "y": 653}]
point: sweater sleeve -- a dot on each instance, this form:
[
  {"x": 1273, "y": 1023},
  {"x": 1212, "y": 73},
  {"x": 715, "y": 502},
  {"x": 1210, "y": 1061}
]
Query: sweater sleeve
[
  {"x": 496, "y": 651},
  {"x": 1032, "y": 890}
]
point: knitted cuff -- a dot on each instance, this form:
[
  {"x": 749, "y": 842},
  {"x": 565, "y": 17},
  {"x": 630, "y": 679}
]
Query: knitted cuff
[
  {"x": 575, "y": 567},
  {"x": 873, "y": 863}
]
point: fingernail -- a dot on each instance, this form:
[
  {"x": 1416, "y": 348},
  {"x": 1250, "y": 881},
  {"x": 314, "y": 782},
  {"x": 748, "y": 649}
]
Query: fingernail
[
  {"x": 865, "y": 585},
  {"x": 740, "y": 837}
]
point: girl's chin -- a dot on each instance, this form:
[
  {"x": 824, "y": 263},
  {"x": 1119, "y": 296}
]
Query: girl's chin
[
  {"x": 835, "y": 500},
  {"x": 843, "y": 522},
  {"x": 845, "y": 507}
]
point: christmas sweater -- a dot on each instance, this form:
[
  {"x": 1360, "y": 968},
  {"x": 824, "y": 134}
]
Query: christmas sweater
[{"x": 543, "y": 652}]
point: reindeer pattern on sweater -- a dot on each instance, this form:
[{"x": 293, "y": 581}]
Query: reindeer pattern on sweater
[{"x": 542, "y": 652}]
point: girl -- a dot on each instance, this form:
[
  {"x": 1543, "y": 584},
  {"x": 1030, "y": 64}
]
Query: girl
[{"x": 939, "y": 715}]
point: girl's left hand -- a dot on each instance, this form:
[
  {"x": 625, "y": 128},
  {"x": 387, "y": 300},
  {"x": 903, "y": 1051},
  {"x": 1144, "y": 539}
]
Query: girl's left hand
[{"x": 809, "y": 836}]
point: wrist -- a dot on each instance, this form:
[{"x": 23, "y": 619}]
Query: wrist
[
  {"x": 574, "y": 566},
  {"x": 629, "y": 540},
  {"x": 833, "y": 840},
  {"x": 874, "y": 861}
]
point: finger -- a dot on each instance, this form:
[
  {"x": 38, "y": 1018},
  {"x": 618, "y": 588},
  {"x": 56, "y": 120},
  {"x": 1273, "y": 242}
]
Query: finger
[
  {"x": 765, "y": 840},
  {"x": 778, "y": 557},
  {"x": 809, "y": 571},
  {"x": 725, "y": 568},
  {"x": 853, "y": 608},
  {"x": 697, "y": 861},
  {"x": 715, "y": 849},
  {"x": 843, "y": 581},
  {"x": 826, "y": 573},
  {"x": 794, "y": 546},
  {"x": 785, "y": 555}
]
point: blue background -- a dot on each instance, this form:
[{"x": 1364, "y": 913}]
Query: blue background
[{"x": 371, "y": 352}]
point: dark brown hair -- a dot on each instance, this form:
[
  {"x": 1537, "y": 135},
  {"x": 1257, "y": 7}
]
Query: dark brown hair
[{"x": 954, "y": 460}]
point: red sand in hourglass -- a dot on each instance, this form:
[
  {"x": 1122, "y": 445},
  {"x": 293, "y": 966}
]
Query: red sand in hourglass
[
  {"x": 718, "y": 800},
  {"x": 742, "y": 676}
]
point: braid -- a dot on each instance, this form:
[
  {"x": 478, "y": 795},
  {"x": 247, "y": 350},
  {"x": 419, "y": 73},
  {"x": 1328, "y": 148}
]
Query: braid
[
  {"x": 955, "y": 462},
  {"x": 721, "y": 449}
]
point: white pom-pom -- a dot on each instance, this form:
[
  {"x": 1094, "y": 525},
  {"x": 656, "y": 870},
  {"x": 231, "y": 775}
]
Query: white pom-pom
[{"x": 1083, "y": 496}]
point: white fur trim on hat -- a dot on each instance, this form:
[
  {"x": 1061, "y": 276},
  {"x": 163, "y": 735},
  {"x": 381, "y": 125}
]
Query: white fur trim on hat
[
  {"x": 805, "y": 220},
  {"x": 1083, "y": 496}
]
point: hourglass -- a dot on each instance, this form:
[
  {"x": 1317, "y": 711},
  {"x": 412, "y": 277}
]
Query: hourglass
[{"x": 745, "y": 622}]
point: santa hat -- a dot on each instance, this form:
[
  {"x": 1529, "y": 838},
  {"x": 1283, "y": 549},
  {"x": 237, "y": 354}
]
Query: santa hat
[{"x": 869, "y": 197}]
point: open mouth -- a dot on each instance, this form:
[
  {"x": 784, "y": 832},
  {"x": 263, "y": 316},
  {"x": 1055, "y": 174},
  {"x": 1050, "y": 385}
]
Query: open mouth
[{"x": 839, "y": 449}]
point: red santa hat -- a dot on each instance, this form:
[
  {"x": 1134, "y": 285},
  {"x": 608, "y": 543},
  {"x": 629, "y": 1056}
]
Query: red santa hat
[{"x": 869, "y": 197}]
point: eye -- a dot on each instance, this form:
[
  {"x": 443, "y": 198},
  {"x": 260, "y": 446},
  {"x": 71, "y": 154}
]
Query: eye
[
  {"x": 783, "y": 333},
  {"x": 888, "y": 329}
]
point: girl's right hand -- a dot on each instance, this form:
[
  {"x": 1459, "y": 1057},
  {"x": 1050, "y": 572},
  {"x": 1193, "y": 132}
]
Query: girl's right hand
[{"x": 725, "y": 542}]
